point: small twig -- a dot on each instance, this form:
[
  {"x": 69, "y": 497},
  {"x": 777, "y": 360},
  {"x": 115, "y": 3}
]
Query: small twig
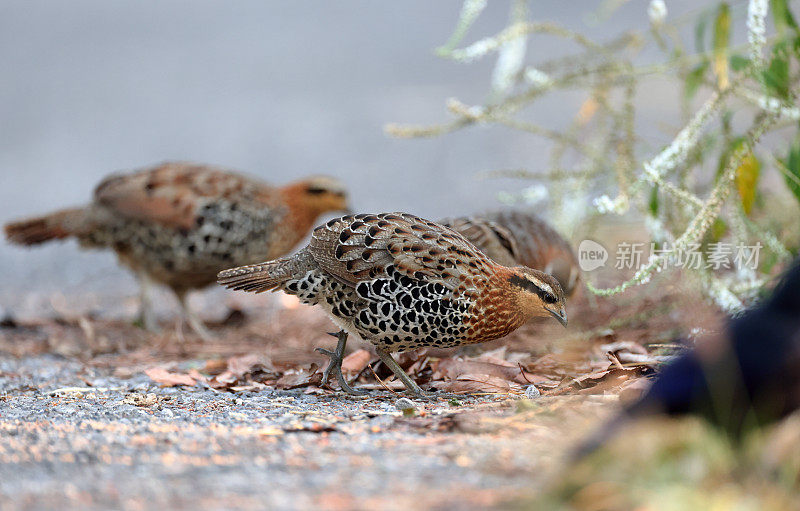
[
  {"x": 65, "y": 390},
  {"x": 381, "y": 381},
  {"x": 522, "y": 372},
  {"x": 614, "y": 360}
]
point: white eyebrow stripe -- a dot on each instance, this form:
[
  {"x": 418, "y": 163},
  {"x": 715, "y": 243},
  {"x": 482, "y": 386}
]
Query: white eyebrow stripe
[{"x": 541, "y": 285}]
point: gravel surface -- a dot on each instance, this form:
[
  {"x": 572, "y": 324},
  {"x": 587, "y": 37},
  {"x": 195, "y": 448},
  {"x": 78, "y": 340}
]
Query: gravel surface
[{"x": 77, "y": 437}]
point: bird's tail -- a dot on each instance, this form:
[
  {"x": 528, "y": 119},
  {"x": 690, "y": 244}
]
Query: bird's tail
[
  {"x": 258, "y": 278},
  {"x": 58, "y": 225}
]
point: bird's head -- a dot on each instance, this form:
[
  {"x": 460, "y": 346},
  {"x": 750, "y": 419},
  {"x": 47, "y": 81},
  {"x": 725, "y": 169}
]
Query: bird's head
[
  {"x": 537, "y": 294},
  {"x": 319, "y": 194}
]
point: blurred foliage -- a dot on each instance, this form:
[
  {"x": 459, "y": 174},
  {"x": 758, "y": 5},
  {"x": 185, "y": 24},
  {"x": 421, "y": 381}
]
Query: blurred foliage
[
  {"x": 791, "y": 168},
  {"x": 732, "y": 97},
  {"x": 666, "y": 465}
]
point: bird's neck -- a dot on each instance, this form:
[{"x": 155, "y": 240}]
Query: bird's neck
[
  {"x": 497, "y": 310},
  {"x": 301, "y": 215}
]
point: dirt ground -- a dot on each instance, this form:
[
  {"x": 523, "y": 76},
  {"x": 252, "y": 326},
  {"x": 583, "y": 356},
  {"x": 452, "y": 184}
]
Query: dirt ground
[{"x": 98, "y": 414}]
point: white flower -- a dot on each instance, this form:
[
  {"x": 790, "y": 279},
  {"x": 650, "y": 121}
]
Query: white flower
[
  {"x": 657, "y": 12},
  {"x": 657, "y": 229},
  {"x": 724, "y": 298},
  {"x": 756, "y": 27},
  {"x": 605, "y": 204},
  {"x": 509, "y": 63},
  {"x": 537, "y": 78},
  {"x": 534, "y": 194}
]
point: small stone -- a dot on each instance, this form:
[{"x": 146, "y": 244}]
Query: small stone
[
  {"x": 531, "y": 392},
  {"x": 404, "y": 404}
]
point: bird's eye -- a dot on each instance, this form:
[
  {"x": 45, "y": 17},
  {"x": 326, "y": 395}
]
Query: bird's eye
[
  {"x": 548, "y": 298},
  {"x": 316, "y": 191}
]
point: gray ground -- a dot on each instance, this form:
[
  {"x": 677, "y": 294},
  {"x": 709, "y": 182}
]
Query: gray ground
[{"x": 129, "y": 444}]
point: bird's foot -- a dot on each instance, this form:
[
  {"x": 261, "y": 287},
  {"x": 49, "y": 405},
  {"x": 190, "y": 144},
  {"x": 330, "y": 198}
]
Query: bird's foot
[
  {"x": 199, "y": 328},
  {"x": 335, "y": 365},
  {"x": 146, "y": 320},
  {"x": 411, "y": 386}
]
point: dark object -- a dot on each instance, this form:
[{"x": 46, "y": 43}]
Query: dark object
[
  {"x": 746, "y": 378},
  {"x": 8, "y": 321}
]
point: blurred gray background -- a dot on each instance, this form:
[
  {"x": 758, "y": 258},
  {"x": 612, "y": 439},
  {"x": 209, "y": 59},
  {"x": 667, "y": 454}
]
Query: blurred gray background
[{"x": 274, "y": 89}]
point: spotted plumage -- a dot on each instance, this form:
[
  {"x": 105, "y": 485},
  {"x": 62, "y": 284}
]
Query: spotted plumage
[
  {"x": 179, "y": 224},
  {"x": 517, "y": 237},
  {"x": 403, "y": 282}
]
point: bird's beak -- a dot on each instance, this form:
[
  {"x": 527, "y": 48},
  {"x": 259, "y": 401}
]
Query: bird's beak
[{"x": 560, "y": 314}]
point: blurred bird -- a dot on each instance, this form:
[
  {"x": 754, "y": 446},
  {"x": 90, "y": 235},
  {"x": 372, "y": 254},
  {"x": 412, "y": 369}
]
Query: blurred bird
[
  {"x": 179, "y": 224},
  {"x": 402, "y": 282},
  {"x": 745, "y": 378},
  {"x": 518, "y": 238}
]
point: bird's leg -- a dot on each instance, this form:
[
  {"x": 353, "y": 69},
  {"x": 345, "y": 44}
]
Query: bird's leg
[
  {"x": 191, "y": 318},
  {"x": 410, "y": 384},
  {"x": 147, "y": 316},
  {"x": 335, "y": 364}
]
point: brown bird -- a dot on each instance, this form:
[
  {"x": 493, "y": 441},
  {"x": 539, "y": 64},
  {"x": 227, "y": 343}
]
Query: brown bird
[
  {"x": 179, "y": 224},
  {"x": 402, "y": 282},
  {"x": 516, "y": 237}
]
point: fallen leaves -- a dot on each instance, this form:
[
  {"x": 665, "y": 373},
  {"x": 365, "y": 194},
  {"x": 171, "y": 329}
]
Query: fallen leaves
[
  {"x": 297, "y": 378},
  {"x": 616, "y": 366},
  {"x": 356, "y": 361},
  {"x": 167, "y": 379},
  {"x": 238, "y": 373},
  {"x": 453, "y": 368},
  {"x": 241, "y": 371},
  {"x": 479, "y": 383}
]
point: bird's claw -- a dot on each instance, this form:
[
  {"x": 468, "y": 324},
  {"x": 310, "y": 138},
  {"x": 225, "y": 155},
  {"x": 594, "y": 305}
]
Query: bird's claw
[
  {"x": 335, "y": 365},
  {"x": 333, "y": 362}
]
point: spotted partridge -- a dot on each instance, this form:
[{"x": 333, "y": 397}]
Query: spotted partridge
[
  {"x": 516, "y": 237},
  {"x": 403, "y": 282},
  {"x": 179, "y": 224}
]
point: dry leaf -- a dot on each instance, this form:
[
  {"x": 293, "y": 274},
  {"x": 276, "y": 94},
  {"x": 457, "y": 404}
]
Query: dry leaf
[
  {"x": 240, "y": 365},
  {"x": 168, "y": 379},
  {"x": 299, "y": 378},
  {"x": 215, "y": 366},
  {"x": 469, "y": 383},
  {"x": 453, "y": 368},
  {"x": 356, "y": 361},
  {"x": 242, "y": 370}
]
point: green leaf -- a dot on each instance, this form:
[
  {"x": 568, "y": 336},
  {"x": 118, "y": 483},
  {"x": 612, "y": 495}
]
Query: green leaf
[
  {"x": 747, "y": 180},
  {"x": 776, "y": 76},
  {"x": 694, "y": 79},
  {"x": 718, "y": 230},
  {"x": 700, "y": 32},
  {"x": 739, "y": 62},
  {"x": 746, "y": 175},
  {"x": 653, "y": 204},
  {"x": 722, "y": 37},
  {"x": 783, "y": 18},
  {"x": 792, "y": 164}
]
